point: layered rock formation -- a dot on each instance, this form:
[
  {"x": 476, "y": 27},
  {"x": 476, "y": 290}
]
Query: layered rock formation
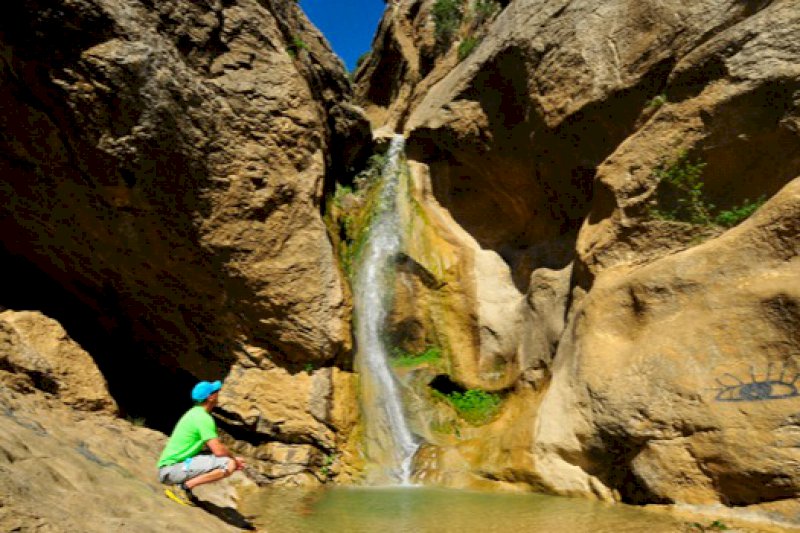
[
  {"x": 662, "y": 346},
  {"x": 164, "y": 166},
  {"x": 63, "y": 452}
]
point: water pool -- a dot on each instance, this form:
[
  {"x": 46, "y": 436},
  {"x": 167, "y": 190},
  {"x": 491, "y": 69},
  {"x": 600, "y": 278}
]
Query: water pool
[{"x": 402, "y": 510}]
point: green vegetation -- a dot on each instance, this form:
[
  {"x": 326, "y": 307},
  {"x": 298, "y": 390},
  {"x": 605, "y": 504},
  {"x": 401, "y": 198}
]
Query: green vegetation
[
  {"x": 475, "y": 406},
  {"x": 296, "y": 45},
  {"x": 363, "y": 57},
  {"x": 716, "y": 525},
  {"x": 327, "y": 463},
  {"x": 447, "y": 16},
  {"x": 731, "y": 217},
  {"x": 308, "y": 368},
  {"x": 680, "y": 196},
  {"x": 402, "y": 358},
  {"x": 340, "y": 192},
  {"x": 486, "y": 9},
  {"x": 684, "y": 183},
  {"x": 348, "y": 222},
  {"x": 372, "y": 172},
  {"x": 467, "y": 46},
  {"x": 657, "y": 101}
]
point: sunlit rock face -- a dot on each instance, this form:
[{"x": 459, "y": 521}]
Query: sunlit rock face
[
  {"x": 36, "y": 354},
  {"x": 164, "y": 165},
  {"x": 536, "y": 161},
  {"x": 61, "y": 438}
]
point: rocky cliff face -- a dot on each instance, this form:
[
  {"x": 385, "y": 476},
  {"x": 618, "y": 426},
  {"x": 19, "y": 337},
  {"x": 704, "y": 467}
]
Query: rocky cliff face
[
  {"x": 582, "y": 173},
  {"x": 578, "y": 243},
  {"x": 164, "y": 165}
]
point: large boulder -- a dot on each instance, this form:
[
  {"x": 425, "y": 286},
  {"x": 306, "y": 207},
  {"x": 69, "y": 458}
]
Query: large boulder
[{"x": 37, "y": 354}]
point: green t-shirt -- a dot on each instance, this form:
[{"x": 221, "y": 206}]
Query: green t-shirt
[{"x": 192, "y": 431}]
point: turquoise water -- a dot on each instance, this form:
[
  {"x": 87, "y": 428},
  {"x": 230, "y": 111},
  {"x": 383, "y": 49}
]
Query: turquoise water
[{"x": 405, "y": 510}]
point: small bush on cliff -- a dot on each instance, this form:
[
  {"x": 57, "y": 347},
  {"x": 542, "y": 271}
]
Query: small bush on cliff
[
  {"x": 360, "y": 61},
  {"x": 716, "y": 525},
  {"x": 680, "y": 196},
  {"x": 657, "y": 101},
  {"x": 486, "y": 9},
  {"x": 467, "y": 46},
  {"x": 476, "y": 406},
  {"x": 296, "y": 45},
  {"x": 340, "y": 192},
  {"x": 447, "y": 16},
  {"x": 733, "y": 216}
]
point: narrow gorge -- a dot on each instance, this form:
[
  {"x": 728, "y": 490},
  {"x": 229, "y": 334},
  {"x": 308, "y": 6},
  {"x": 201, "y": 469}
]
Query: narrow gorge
[{"x": 528, "y": 245}]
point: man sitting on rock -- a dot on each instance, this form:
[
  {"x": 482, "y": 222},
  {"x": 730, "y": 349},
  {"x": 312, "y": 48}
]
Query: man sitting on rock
[{"x": 181, "y": 462}]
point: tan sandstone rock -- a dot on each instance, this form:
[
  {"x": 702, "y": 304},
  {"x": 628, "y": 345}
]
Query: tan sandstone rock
[
  {"x": 63, "y": 470},
  {"x": 542, "y": 148},
  {"x": 686, "y": 371},
  {"x": 38, "y": 348}
]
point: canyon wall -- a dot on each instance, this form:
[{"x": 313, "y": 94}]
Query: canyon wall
[
  {"x": 164, "y": 166},
  {"x": 601, "y": 234},
  {"x": 583, "y": 172}
]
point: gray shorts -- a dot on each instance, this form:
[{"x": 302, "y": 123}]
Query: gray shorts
[{"x": 192, "y": 467}]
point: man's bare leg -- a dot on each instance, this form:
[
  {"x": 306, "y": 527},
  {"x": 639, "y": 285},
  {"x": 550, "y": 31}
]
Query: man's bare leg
[{"x": 210, "y": 477}]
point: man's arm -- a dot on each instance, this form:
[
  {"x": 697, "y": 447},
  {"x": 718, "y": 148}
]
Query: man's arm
[{"x": 220, "y": 450}]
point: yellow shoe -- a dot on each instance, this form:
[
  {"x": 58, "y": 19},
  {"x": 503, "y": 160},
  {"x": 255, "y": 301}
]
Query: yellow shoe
[{"x": 178, "y": 497}]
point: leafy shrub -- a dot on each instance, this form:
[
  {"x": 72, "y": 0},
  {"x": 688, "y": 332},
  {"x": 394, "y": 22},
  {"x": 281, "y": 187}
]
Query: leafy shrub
[
  {"x": 476, "y": 406},
  {"x": 716, "y": 525},
  {"x": 296, "y": 45},
  {"x": 447, "y": 16},
  {"x": 137, "y": 421},
  {"x": 327, "y": 465},
  {"x": 657, "y": 101},
  {"x": 733, "y": 216},
  {"x": 486, "y": 9},
  {"x": 684, "y": 195},
  {"x": 467, "y": 46},
  {"x": 400, "y": 357},
  {"x": 372, "y": 171},
  {"x": 680, "y": 196}
]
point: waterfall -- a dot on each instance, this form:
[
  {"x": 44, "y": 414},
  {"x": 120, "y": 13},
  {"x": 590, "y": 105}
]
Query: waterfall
[{"x": 390, "y": 445}]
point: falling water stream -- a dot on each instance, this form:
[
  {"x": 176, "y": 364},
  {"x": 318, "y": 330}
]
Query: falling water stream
[{"x": 390, "y": 446}]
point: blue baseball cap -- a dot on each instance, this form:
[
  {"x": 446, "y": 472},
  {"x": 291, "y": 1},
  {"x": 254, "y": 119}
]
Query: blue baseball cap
[{"x": 204, "y": 389}]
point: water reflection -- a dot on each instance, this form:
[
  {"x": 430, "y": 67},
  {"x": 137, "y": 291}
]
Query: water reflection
[{"x": 405, "y": 510}]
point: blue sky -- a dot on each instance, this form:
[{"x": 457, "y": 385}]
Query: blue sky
[{"x": 349, "y": 25}]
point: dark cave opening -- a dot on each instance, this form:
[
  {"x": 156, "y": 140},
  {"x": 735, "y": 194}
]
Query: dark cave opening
[
  {"x": 145, "y": 389},
  {"x": 442, "y": 383}
]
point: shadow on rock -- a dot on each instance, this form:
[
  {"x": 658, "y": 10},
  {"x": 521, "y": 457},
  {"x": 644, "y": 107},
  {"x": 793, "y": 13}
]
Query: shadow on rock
[{"x": 228, "y": 515}]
